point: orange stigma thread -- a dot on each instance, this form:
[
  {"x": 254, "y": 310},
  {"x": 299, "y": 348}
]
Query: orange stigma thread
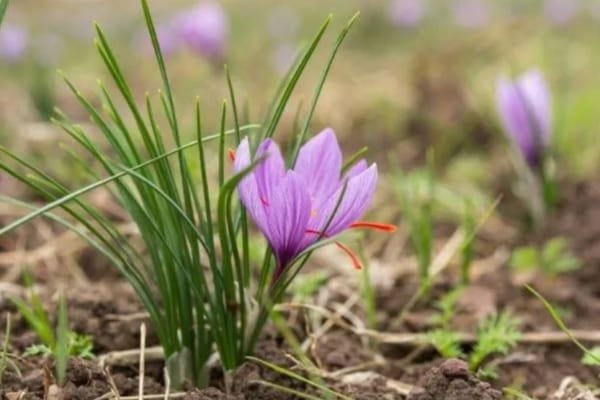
[
  {"x": 375, "y": 226},
  {"x": 231, "y": 154},
  {"x": 353, "y": 257},
  {"x": 355, "y": 261}
]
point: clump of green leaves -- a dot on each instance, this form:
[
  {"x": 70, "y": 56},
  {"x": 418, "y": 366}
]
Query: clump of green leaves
[
  {"x": 60, "y": 343},
  {"x": 497, "y": 334},
  {"x": 78, "y": 345},
  {"x": 446, "y": 342},
  {"x": 194, "y": 275},
  {"x": 446, "y": 307},
  {"x": 416, "y": 192},
  {"x": 553, "y": 258}
]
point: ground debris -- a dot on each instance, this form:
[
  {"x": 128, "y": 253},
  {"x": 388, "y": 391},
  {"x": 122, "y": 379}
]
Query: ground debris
[{"x": 571, "y": 389}]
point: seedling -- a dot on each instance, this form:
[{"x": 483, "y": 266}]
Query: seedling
[
  {"x": 496, "y": 334},
  {"x": 5, "y": 360},
  {"x": 59, "y": 343},
  {"x": 416, "y": 191},
  {"x": 553, "y": 258}
]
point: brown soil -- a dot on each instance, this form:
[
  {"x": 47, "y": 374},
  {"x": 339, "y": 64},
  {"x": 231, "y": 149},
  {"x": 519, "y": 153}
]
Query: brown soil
[
  {"x": 452, "y": 380},
  {"x": 111, "y": 315}
]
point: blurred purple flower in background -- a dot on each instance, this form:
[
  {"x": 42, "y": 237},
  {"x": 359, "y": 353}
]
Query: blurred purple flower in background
[
  {"x": 293, "y": 208},
  {"x": 168, "y": 38},
  {"x": 525, "y": 111},
  {"x": 205, "y": 29},
  {"x": 13, "y": 42},
  {"x": 283, "y": 23},
  {"x": 471, "y": 14},
  {"x": 407, "y": 13},
  {"x": 283, "y": 57},
  {"x": 595, "y": 10},
  {"x": 560, "y": 12}
]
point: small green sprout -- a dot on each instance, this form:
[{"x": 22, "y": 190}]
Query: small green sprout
[
  {"x": 4, "y": 355},
  {"x": 446, "y": 342},
  {"x": 469, "y": 227},
  {"x": 78, "y": 346},
  {"x": 592, "y": 357},
  {"x": 416, "y": 191},
  {"x": 553, "y": 258},
  {"x": 59, "y": 343},
  {"x": 497, "y": 334},
  {"x": 446, "y": 306}
]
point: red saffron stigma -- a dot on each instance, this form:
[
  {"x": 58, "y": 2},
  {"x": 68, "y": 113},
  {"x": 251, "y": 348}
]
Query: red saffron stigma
[
  {"x": 231, "y": 154},
  {"x": 355, "y": 261},
  {"x": 375, "y": 226},
  {"x": 353, "y": 257}
]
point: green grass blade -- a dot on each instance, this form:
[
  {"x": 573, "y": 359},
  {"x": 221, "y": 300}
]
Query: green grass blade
[
  {"x": 61, "y": 350},
  {"x": 313, "y": 104},
  {"x": 273, "y": 121},
  {"x": 561, "y": 325},
  {"x": 39, "y": 325},
  {"x": 3, "y": 7},
  {"x": 300, "y": 378},
  {"x": 59, "y": 202}
]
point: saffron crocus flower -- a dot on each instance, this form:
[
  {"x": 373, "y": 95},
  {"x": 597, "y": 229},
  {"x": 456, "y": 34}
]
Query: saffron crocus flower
[
  {"x": 560, "y": 12},
  {"x": 295, "y": 208},
  {"x": 525, "y": 111},
  {"x": 406, "y": 13},
  {"x": 205, "y": 29},
  {"x": 13, "y": 42},
  {"x": 471, "y": 14}
]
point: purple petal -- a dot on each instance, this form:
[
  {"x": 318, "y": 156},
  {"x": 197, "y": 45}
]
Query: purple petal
[
  {"x": 514, "y": 117},
  {"x": 357, "y": 168},
  {"x": 248, "y": 189},
  {"x": 533, "y": 87},
  {"x": 319, "y": 163},
  {"x": 560, "y": 12},
  {"x": 357, "y": 197},
  {"x": 271, "y": 171},
  {"x": 287, "y": 216}
]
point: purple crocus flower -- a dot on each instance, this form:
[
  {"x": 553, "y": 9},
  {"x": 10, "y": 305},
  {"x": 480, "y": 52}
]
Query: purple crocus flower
[
  {"x": 13, "y": 42},
  {"x": 525, "y": 111},
  {"x": 293, "y": 208},
  {"x": 406, "y": 13},
  {"x": 205, "y": 29},
  {"x": 471, "y": 14},
  {"x": 560, "y": 12}
]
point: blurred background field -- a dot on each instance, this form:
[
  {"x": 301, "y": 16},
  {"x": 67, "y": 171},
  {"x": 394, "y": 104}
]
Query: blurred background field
[
  {"x": 410, "y": 76},
  {"x": 415, "y": 81}
]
